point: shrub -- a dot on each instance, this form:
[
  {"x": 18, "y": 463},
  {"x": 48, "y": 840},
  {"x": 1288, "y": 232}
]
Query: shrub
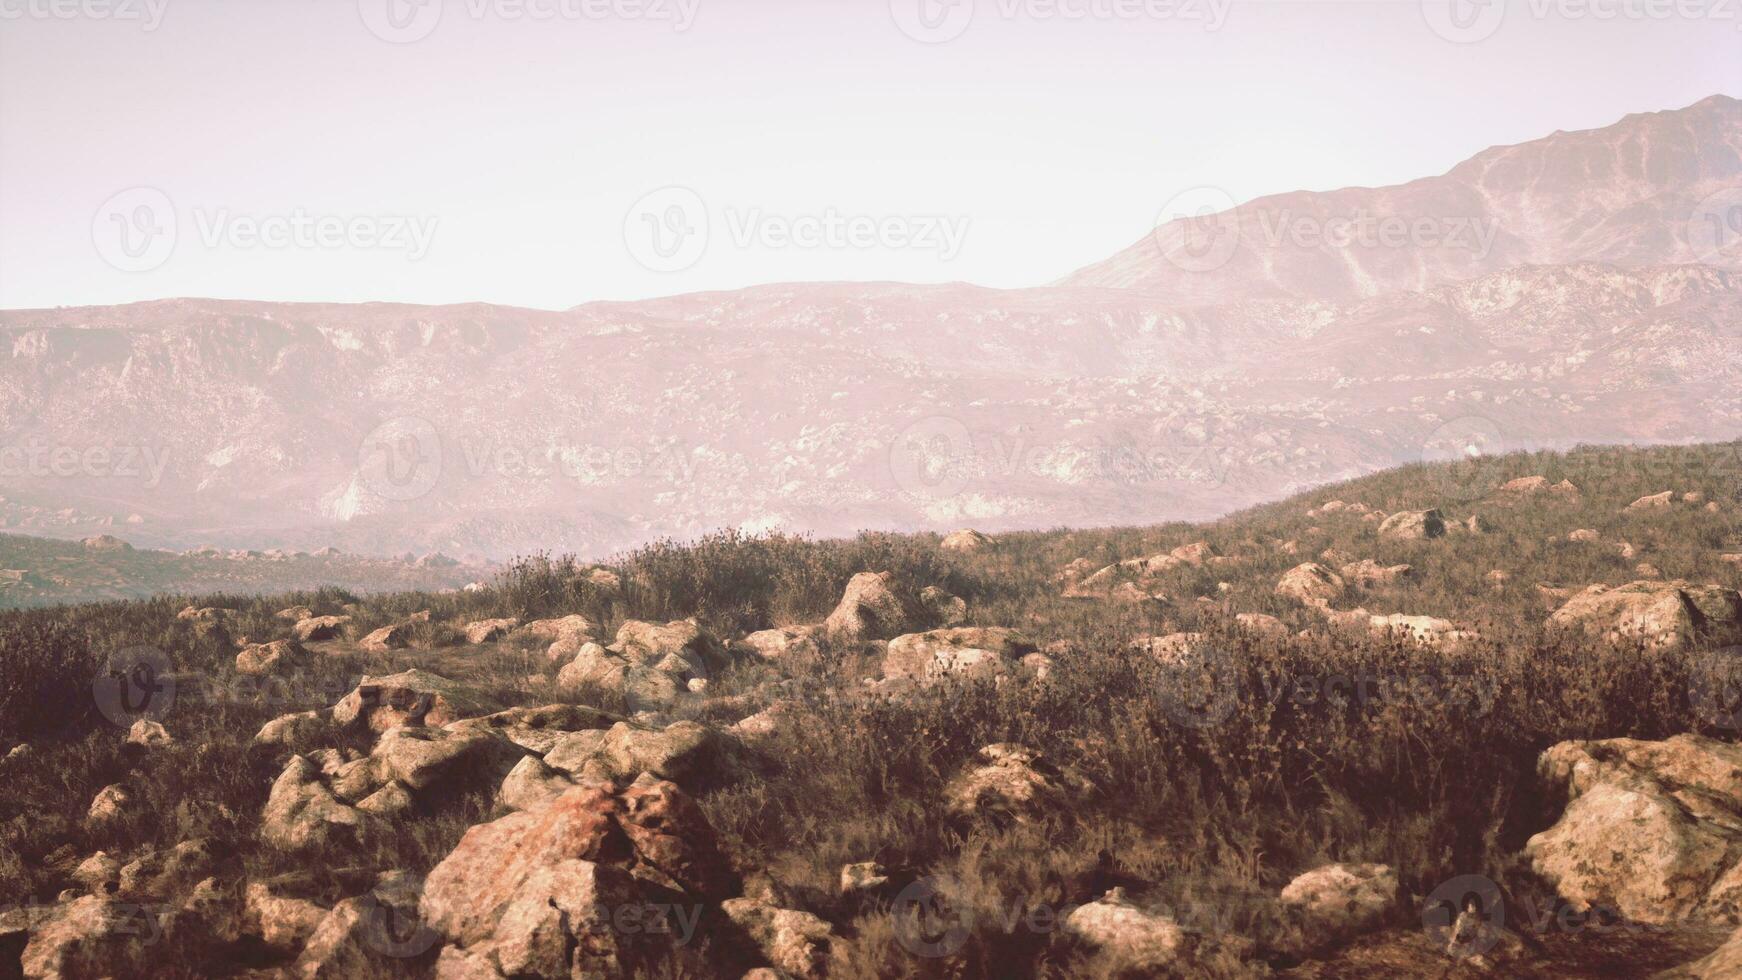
[{"x": 46, "y": 672}]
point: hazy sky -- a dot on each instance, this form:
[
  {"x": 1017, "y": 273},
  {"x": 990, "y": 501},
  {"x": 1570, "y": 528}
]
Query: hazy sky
[{"x": 550, "y": 152}]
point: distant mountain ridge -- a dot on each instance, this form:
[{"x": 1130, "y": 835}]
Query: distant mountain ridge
[{"x": 1139, "y": 391}]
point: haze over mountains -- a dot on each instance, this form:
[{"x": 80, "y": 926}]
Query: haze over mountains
[{"x": 1572, "y": 289}]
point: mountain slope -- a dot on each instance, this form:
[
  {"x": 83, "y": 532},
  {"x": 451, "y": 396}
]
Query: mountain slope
[{"x": 1630, "y": 194}]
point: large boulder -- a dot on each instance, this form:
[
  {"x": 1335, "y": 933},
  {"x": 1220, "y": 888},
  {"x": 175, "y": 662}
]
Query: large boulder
[
  {"x": 516, "y": 895},
  {"x": 369, "y": 935},
  {"x": 489, "y": 630},
  {"x": 279, "y": 657},
  {"x": 1311, "y": 584},
  {"x": 781, "y": 642},
  {"x": 91, "y": 936},
  {"x": 303, "y": 814},
  {"x": 395, "y": 637},
  {"x": 641, "y": 687},
  {"x": 967, "y": 652},
  {"x": 869, "y": 610},
  {"x": 1339, "y": 902},
  {"x": 1413, "y": 525},
  {"x": 1128, "y": 938},
  {"x": 283, "y": 924},
  {"x": 681, "y": 648},
  {"x": 538, "y": 730},
  {"x": 684, "y": 753},
  {"x": 1651, "y": 830},
  {"x": 410, "y": 698},
  {"x": 1662, "y": 615},
  {"x": 317, "y": 628},
  {"x": 796, "y": 943},
  {"x": 966, "y": 542}
]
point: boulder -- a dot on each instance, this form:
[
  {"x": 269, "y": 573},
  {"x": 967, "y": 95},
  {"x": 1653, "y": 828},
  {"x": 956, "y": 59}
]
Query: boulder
[
  {"x": 796, "y": 943},
  {"x": 863, "y": 878},
  {"x": 91, "y": 937},
  {"x": 284, "y": 925},
  {"x": 1413, "y": 525},
  {"x": 681, "y": 648},
  {"x": 1651, "y": 830},
  {"x": 302, "y": 726},
  {"x": 489, "y": 630},
  {"x": 642, "y": 688},
  {"x": 106, "y": 542},
  {"x": 943, "y": 608},
  {"x": 302, "y": 814},
  {"x": 1339, "y": 902},
  {"x": 317, "y": 628},
  {"x": 1311, "y": 584},
  {"x": 1262, "y": 624},
  {"x": 1662, "y": 615},
  {"x": 684, "y": 753},
  {"x": 394, "y": 637},
  {"x": 1584, "y": 535},
  {"x": 970, "y": 652},
  {"x": 1014, "y": 781},
  {"x": 413, "y": 697},
  {"x": 1369, "y": 574},
  {"x": 370, "y": 935},
  {"x": 777, "y": 643},
  {"x": 1655, "y": 501},
  {"x": 869, "y": 610},
  {"x": 1426, "y": 630},
  {"x": 549, "y": 631},
  {"x": 294, "y": 614},
  {"x": 531, "y": 784},
  {"x": 422, "y": 758},
  {"x": 966, "y": 542},
  {"x": 539, "y": 729},
  {"x": 111, "y": 804},
  {"x": 280, "y": 657},
  {"x": 148, "y": 734},
  {"x": 1723, "y": 963},
  {"x": 1126, "y": 937}
]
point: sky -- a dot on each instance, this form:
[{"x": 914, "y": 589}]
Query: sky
[{"x": 548, "y": 153}]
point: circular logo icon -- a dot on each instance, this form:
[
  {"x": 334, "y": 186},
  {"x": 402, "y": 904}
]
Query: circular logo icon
[
  {"x": 135, "y": 683},
  {"x": 1197, "y": 229},
  {"x": 1199, "y": 685},
  {"x": 1458, "y": 452},
  {"x": 1715, "y": 687},
  {"x": 1464, "y": 21},
  {"x": 1465, "y": 916},
  {"x": 395, "y": 929},
  {"x": 929, "y": 922},
  {"x": 667, "y": 230},
  {"x": 400, "y": 21},
  {"x": 400, "y": 459},
  {"x": 1716, "y": 226},
  {"x": 931, "y": 457},
  {"x": 135, "y": 230},
  {"x": 932, "y": 21}
]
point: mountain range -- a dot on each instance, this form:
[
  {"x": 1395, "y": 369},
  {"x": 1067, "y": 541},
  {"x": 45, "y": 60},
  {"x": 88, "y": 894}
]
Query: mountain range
[{"x": 1584, "y": 287}]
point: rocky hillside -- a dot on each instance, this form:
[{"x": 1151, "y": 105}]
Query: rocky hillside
[
  {"x": 45, "y": 572},
  {"x": 1470, "y": 719},
  {"x": 484, "y": 431}
]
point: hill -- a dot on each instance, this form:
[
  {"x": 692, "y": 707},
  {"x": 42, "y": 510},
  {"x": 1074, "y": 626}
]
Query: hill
[{"x": 1174, "y": 750}]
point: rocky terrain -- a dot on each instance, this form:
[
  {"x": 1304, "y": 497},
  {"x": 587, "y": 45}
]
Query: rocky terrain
[
  {"x": 1150, "y": 388},
  {"x": 1467, "y": 719}
]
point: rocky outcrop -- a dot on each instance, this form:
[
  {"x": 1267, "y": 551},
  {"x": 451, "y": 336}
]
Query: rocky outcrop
[
  {"x": 795, "y": 943},
  {"x": 969, "y": 652},
  {"x": 413, "y": 697},
  {"x": 684, "y": 752},
  {"x": 1655, "y": 501},
  {"x": 489, "y": 630},
  {"x": 539, "y": 729},
  {"x": 1311, "y": 584},
  {"x": 1651, "y": 830},
  {"x": 1339, "y": 902},
  {"x": 869, "y": 610},
  {"x": 395, "y": 637},
  {"x": 966, "y": 542},
  {"x": 1413, "y": 525},
  {"x": 280, "y": 657},
  {"x": 1661, "y": 615},
  {"x": 319, "y": 628},
  {"x": 302, "y": 814},
  {"x": 777, "y": 643}
]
